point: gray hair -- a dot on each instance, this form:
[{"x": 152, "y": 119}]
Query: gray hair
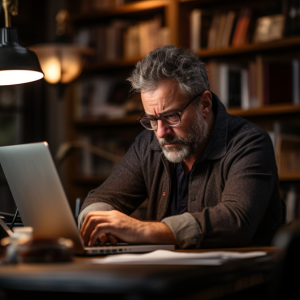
[{"x": 169, "y": 62}]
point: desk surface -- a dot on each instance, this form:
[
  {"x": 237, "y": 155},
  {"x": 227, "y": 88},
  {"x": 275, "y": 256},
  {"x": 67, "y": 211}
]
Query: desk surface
[{"x": 81, "y": 276}]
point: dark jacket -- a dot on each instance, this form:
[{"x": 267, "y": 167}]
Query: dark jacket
[{"x": 233, "y": 187}]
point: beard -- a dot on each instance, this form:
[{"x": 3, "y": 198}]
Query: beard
[{"x": 190, "y": 144}]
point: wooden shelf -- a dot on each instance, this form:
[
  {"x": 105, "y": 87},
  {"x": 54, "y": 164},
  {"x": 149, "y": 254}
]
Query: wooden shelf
[
  {"x": 250, "y": 48},
  {"x": 126, "y": 9},
  {"x": 267, "y": 110},
  {"x": 289, "y": 177}
]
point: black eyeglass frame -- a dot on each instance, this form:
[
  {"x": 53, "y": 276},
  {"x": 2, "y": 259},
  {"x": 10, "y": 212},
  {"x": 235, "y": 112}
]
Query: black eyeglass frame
[{"x": 163, "y": 115}]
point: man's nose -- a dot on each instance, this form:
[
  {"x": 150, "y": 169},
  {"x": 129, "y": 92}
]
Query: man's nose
[{"x": 162, "y": 129}]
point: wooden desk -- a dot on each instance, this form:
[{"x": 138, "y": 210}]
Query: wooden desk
[{"x": 81, "y": 277}]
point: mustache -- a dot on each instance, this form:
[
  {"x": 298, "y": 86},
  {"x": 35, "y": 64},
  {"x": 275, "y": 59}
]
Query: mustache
[{"x": 171, "y": 140}]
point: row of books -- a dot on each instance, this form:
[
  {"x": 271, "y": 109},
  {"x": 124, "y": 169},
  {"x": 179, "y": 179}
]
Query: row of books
[
  {"x": 123, "y": 39},
  {"x": 232, "y": 28},
  {"x": 260, "y": 83},
  {"x": 104, "y": 97}
]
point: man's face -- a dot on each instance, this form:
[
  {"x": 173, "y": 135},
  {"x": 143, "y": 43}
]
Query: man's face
[{"x": 177, "y": 143}]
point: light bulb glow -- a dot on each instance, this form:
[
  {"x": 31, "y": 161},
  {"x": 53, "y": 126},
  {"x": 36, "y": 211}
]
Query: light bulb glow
[
  {"x": 61, "y": 62},
  {"x": 10, "y": 77},
  {"x": 52, "y": 68}
]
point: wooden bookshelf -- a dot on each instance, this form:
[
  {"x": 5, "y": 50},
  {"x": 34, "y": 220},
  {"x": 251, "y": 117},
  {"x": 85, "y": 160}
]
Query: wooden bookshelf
[
  {"x": 290, "y": 177},
  {"x": 285, "y": 43},
  {"x": 267, "y": 110}
]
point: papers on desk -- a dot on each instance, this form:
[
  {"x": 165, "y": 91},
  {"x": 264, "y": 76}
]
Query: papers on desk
[{"x": 165, "y": 257}]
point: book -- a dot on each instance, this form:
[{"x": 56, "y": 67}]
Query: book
[
  {"x": 295, "y": 82},
  {"x": 242, "y": 26},
  {"x": 252, "y": 85},
  {"x": 228, "y": 27},
  {"x": 220, "y": 31},
  {"x": 287, "y": 147},
  {"x": 234, "y": 87},
  {"x": 212, "y": 34},
  {"x": 195, "y": 28},
  {"x": 277, "y": 82}
]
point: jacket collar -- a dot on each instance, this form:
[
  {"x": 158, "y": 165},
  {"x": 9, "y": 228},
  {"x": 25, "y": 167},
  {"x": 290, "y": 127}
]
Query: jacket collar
[{"x": 217, "y": 144}]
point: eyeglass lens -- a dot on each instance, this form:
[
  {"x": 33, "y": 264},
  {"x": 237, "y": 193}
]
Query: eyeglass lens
[{"x": 171, "y": 120}]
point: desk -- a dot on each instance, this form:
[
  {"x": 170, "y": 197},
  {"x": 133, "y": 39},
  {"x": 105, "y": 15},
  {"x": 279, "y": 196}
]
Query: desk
[{"x": 43, "y": 281}]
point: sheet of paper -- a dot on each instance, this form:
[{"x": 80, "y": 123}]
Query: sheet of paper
[{"x": 165, "y": 257}]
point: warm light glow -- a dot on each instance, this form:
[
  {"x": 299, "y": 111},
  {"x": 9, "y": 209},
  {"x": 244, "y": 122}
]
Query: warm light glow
[
  {"x": 51, "y": 68},
  {"x": 10, "y": 77},
  {"x": 71, "y": 66},
  {"x": 60, "y": 62}
]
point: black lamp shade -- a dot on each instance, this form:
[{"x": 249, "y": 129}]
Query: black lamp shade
[{"x": 17, "y": 64}]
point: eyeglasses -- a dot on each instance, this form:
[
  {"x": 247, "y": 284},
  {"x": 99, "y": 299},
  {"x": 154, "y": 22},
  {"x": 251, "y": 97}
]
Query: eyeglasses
[{"x": 170, "y": 119}]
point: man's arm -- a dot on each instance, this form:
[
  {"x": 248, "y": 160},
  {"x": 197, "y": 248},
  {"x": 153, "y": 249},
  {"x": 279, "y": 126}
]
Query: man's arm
[
  {"x": 98, "y": 224},
  {"x": 104, "y": 212}
]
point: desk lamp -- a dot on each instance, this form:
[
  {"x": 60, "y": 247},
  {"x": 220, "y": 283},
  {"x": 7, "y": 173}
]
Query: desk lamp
[{"x": 17, "y": 64}]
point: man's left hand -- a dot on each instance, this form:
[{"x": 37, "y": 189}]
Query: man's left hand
[{"x": 115, "y": 225}]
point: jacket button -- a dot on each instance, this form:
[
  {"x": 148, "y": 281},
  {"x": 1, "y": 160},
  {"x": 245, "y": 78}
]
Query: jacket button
[
  {"x": 193, "y": 199},
  {"x": 164, "y": 194}
]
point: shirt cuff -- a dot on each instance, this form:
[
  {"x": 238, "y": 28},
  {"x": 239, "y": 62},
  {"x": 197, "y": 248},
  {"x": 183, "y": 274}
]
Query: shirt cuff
[
  {"x": 100, "y": 206},
  {"x": 186, "y": 230}
]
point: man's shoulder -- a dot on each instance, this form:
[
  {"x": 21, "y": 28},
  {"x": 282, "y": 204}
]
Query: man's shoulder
[
  {"x": 239, "y": 128},
  {"x": 238, "y": 125}
]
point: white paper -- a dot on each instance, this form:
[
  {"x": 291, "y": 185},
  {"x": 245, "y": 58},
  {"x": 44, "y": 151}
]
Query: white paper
[{"x": 166, "y": 257}]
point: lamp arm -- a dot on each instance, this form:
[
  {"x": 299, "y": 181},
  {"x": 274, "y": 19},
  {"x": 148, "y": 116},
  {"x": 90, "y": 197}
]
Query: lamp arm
[
  {"x": 66, "y": 147},
  {"x": 9, "y": 7}
]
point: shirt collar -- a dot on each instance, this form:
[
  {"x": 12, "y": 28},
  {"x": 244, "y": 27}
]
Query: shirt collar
[{"x": 217, "y": 144}]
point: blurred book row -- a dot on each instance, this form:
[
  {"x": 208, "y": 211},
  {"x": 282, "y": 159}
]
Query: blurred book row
[
  {"x": 258, "y": 83},
  {"x": 104, "y": 97},
  {"x": 235, "y": 28},
  {"x": 123, "y": 39}
]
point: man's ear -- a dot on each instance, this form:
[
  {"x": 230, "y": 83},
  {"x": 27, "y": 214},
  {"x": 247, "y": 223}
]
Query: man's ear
[{"x": 206, "y": 103}]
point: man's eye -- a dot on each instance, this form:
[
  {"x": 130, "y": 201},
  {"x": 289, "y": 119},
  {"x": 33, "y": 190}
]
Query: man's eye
[{"x": 172, "y": 116}]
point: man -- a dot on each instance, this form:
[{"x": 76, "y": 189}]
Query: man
[{"x": 211, "y": 178}]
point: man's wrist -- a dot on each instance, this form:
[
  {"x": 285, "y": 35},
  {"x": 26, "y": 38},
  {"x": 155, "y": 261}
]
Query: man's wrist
[{"x": 157, "y": 233}]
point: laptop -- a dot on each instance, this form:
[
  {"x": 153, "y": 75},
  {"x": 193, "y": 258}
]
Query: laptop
[{"x": 41, "y": 200}]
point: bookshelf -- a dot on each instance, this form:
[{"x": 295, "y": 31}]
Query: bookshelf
[{"x": 175, "y": 15}]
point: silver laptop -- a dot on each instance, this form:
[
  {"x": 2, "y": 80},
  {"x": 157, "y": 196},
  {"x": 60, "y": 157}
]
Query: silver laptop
[{"x": 42, "y": 203}]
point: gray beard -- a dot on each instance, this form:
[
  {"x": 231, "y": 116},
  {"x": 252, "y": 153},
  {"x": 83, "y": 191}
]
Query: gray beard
[{"x": 188, "y": 145}]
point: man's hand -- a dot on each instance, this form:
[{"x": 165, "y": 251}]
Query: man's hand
[{"x": 113, "y": 225}]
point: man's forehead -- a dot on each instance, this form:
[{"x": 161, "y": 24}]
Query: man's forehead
[{"x": 167, "y": 96}]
